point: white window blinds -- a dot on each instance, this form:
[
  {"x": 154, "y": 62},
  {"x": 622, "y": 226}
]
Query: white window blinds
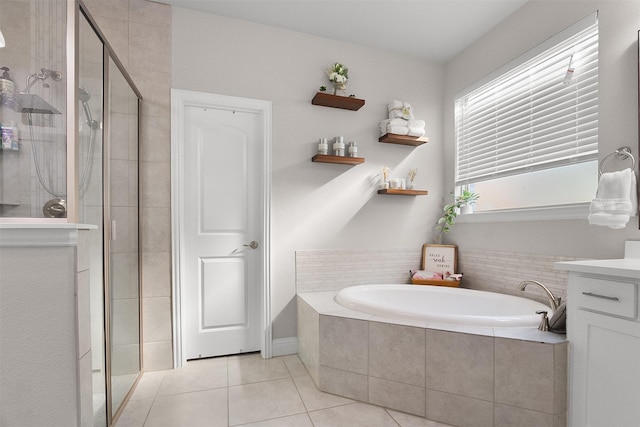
[{"x": 541, "y": 113}]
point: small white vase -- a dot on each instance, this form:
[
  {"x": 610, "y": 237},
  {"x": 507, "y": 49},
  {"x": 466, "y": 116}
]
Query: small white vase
[{"x": 466, "y": 209}]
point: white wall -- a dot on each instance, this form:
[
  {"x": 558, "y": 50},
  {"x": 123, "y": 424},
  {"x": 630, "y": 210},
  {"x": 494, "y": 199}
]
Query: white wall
[
  {"x": 314, "y": 205},
  {"x": 619, "y": 22}
]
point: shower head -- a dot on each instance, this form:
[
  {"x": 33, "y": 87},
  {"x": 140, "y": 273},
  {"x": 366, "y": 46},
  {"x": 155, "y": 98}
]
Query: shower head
[
  {"x": 54, "y": 75},
  {"x": 83, "y": 94}
]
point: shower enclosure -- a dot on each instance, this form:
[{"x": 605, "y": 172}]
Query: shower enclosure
[{"x": 69, "y": 155}]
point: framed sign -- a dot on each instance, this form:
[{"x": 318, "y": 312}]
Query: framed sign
[{"x": 440, "y": 258}]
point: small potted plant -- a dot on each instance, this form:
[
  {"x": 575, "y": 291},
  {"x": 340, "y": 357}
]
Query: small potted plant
[{"x": 450, "y": 211}]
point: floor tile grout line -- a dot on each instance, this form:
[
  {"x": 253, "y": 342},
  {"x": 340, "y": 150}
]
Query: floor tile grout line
[{"x": 153, "y": 401}]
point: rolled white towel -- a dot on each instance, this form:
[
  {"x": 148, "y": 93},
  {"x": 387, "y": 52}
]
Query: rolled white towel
[
  {"x": 394, "y": 122},
  {"x": 415, "y": 123},
  {"x": 396, "y": 114},
  {"x": 394, "y": 105},
  {"x": 398, "y": 130},
  {"x": 416, "y": 132}
]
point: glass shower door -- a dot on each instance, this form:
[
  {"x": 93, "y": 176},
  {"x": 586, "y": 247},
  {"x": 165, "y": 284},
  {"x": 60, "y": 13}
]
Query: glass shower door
[
  {"x": 90, "y": 198},
  {"x": 124, "y": 261}
]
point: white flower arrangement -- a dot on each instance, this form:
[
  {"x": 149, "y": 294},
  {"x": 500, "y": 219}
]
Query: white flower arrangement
[{"x": 338, "y": 75}]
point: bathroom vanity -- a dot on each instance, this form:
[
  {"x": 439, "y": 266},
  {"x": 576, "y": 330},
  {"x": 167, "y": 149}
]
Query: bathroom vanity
[{"x": 603, "y": 328}]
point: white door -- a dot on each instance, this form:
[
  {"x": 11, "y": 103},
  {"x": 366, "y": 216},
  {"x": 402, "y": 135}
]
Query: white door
[{"x": 222, "y": 227}]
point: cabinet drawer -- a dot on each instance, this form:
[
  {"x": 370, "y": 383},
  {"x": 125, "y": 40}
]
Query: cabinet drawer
[{"x": 607, "y": 296}]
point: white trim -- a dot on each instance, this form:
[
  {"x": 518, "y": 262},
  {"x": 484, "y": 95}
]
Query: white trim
[
  {"x": 179, "y": 99},
  {"x": 284, "y": 346},
  {"x": 575, "y": 211}
]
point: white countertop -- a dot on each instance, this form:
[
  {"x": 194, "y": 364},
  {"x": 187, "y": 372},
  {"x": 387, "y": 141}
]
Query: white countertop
[
  {"x": 41, "y": 234},
  {"x": 624, "y": 267}
]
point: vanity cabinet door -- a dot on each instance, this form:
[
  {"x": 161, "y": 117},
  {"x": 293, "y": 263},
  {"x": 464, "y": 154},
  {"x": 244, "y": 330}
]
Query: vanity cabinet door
[{"x": 605, "y": 371}]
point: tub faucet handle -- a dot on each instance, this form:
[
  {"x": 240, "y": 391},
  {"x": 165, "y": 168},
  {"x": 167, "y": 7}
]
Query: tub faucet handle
[{"x": 544, "y": 321}]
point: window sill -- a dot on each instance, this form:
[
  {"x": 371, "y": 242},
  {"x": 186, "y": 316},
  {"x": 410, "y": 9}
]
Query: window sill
[{"x": 548, "y": 213}]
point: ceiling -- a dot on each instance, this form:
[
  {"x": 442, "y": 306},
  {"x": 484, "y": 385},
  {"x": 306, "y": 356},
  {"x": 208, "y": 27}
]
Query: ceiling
[{"x": 435, "y": 30}]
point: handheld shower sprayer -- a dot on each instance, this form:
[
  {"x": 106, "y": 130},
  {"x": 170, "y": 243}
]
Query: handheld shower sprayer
[
  {"x": 44, "y": 74},
  {"x": 84, "y": 96}
]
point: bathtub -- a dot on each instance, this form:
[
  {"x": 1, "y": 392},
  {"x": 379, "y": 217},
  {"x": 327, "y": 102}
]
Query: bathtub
[{"x": 443, "y": 305}]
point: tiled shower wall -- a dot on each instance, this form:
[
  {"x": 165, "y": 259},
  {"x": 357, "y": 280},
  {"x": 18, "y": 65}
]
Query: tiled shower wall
[
  {"x": 139, "y": 31},
  {"x": 334, "y": 269}
]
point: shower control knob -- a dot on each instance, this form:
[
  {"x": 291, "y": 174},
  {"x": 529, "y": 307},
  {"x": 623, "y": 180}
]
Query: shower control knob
[{"x": 252, "y": 245}]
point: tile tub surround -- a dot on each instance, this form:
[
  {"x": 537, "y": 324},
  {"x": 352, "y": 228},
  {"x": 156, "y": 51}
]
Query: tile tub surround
[
  {"x": 351, "y": 267},
  {"x": 493, "y": 271},
  {"x": 455, "y": 375},
  {"x": 501, "y": 272}
]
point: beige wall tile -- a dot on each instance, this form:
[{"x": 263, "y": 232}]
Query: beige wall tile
[
  {"x": 344, "y": 344},
  {"x": 343, "y": 383},
  {"x": 460, "y": 363},
  {"x": 116, "y": 31},
  {"x": 156, "y": 230},
  {"x": 149, "y": 47},
  {"x": 395, "y": 395},
  {"x": 109, "y": 9},
  {"x": 156, "y": 274},
  {"x": 524, "y": 374},
  {"x": 157, "y": 319},
  {"x": 156, "y": 184},
  {"x": 458, "y": 410},
  {"x": 397, "y": 353},
  {"x": 560, "y": 378},
  {"x": 125, "y": 319},
  {"x": 156, "y": 139},
  {"x": 151, "y": 13},
  {"x": 315, "y": 399},
  {"x": 308, "y": 338},
  {"x": 119, "y": 183},
  {"x": 155, "y": 86},
  {"x": 507, "y": 416},
  {"x": 158, "y": 356}
]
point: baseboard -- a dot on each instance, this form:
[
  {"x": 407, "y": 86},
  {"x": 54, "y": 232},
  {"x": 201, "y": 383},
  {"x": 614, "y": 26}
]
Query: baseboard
[{"x": 284, "y": 346}]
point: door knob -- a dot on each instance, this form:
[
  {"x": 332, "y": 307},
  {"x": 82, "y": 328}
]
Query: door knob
[{"x": 252, "y": 245}]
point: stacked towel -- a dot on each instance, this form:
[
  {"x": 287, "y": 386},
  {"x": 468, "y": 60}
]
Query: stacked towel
[
  {"x": 401, "y": 121},
  {"x": 616, "y": 200}
]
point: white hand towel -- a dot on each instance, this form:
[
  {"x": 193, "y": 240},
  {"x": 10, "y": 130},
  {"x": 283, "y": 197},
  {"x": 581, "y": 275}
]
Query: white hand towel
[{"x": 616, "y": 200}]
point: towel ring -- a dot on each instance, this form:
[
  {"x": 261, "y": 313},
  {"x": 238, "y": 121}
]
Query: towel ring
[{"x": 620, "y": 152}]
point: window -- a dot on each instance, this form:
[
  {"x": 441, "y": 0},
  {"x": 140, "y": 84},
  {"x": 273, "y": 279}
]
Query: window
[{"x": 527, "y": 136}]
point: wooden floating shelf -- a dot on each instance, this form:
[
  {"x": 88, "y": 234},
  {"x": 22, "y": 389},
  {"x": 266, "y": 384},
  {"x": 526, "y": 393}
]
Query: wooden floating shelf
[
  {"x": 398, "y": 192},
  {"x": 342, "y": 160},
  {"x": 336, "y": 101},
  {"x": 391, "y": 138}
]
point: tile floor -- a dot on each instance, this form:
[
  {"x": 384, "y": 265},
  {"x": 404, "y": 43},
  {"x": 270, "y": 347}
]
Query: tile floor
[{"x": 249, "y": 391}]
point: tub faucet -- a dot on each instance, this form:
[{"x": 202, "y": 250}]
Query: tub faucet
[{"x": 554, "y": 301}]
